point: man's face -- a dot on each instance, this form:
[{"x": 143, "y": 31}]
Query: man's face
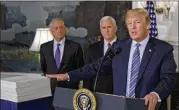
[
  {"x": 137, "y": 27},
  {"x": 108, "y": 30},
  {"x": 58, "y": 30}
]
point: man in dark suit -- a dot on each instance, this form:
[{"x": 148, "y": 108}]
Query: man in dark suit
[
  {"x": 104, "y": 83},
  {"x": 145, "y": 68},
  {"x": 60, "y": 55}
]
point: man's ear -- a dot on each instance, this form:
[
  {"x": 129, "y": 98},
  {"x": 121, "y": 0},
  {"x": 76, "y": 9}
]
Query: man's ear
[
  {"x": 66, "y": 29},
  {"x": 116, "y": 28},
  {"x": 148, "y": 26},
  {"x": 51, "y": 32}
]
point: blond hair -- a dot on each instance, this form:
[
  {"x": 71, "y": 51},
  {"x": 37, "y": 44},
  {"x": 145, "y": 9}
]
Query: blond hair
[{"x": 139, "y": 11}]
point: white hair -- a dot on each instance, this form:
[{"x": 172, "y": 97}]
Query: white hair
[
  {"x": 58, "y": 19},
  {"x": 108, "y": 18}
]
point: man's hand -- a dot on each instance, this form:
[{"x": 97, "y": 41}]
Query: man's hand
[
  {"x": 51, "y": 75},
  {"x": 151, "y": 100},
  {"x": 60, "y": 77}
]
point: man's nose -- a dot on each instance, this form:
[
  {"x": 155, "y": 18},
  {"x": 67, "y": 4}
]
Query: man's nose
[
  {"x": 133, "y": 25},
  {"x": 107, "y": 30}
]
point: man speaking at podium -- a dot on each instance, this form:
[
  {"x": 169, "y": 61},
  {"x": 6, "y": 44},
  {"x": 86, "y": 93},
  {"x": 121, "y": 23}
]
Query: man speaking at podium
[{"x": 145, "y": 67}]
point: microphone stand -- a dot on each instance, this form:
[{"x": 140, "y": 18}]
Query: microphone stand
[{"x": 97, "y": 74}]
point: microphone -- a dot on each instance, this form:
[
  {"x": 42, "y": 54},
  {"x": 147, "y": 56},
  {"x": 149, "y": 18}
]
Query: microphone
[{"x": 110, "y": 53}]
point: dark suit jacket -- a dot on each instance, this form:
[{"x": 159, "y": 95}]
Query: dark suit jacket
[
  {"x": 104, "y": 82},
  {"x": 72, "y": 59},
  {"x": 157, "y": 69}
]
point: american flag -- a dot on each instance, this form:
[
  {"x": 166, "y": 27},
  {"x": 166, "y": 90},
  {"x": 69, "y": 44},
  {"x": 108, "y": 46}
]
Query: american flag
[{"x": 153, "y": 25}]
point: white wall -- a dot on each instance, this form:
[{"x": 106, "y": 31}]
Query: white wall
[{"x": 167, "y": 28}]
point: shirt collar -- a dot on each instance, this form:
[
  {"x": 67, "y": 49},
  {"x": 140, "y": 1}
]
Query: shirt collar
[
  {"x": 62, "y": 42},
  {"x": 114, "y": 40},
  {"x": 142, "y": 43}
]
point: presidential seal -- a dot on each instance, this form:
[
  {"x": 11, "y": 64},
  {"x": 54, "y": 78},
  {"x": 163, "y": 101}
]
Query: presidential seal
[{"x": 84, "y": 99}]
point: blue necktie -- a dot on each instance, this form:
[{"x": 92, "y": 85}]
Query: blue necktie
[
  {"x": 57, "y": 56},
  {"x": 134, "y": 70}
]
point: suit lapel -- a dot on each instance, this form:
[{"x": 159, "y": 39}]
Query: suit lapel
[
  {"x": 65, "y": 52},
  {"x": 52, "y": 53},
  {"x": 125, "y": 61},
  {"x": 121, "y": 72},
  {"x": 146, "y": 57},
  {"x": 101, "y": 48},
  {"x": 126, "y": 54}
]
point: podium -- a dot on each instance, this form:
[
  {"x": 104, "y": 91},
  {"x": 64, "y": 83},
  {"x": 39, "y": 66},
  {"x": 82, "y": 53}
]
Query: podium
[{"x": 63, "y": 100}]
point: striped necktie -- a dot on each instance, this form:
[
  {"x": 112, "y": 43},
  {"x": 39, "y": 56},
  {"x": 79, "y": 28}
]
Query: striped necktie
[{"x": 134, "y": 70}]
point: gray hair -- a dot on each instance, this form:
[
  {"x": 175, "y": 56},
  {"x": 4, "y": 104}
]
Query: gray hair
[
  {"x": 58, "y": 19},
  {"x": 108, "y": 18}
]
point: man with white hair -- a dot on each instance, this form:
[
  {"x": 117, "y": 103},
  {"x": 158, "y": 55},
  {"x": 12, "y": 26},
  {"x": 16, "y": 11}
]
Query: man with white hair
[
  {"x": 60, "y": 55},
  {"x": 97, "y": 50}
]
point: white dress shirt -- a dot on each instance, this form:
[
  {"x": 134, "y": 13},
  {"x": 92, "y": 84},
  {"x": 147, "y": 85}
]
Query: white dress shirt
[
  {"x": 106, "y": 44},
  {"x": 62, "y": 44},
  {"x": 141, "y": 50}
]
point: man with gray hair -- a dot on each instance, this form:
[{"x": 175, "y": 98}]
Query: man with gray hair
[
  {"x": 60, "y": 55},
  {"x": 97, "y": 50}
]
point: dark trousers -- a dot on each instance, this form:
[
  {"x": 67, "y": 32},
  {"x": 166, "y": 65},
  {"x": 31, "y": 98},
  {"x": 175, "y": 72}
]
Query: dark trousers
[{"x": 53, "y": 85}]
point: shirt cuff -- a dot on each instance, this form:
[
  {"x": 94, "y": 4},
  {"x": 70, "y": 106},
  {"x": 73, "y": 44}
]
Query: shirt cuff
[
  {"x": 68, "y": 77},
  {"x": 159, "y": 100}
]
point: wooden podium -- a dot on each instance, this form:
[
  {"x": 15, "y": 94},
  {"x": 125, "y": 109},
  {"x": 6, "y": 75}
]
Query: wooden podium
[{"x": 63, "y": 100}]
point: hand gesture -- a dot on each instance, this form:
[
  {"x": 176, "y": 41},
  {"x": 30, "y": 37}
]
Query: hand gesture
[
  {"x": 60, "y": 77},
  {"x": 151, "y": 100}
]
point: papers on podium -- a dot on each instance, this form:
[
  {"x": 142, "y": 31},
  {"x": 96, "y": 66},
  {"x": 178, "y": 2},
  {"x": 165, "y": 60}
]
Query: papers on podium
[{"x": 22, "y": 87}]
